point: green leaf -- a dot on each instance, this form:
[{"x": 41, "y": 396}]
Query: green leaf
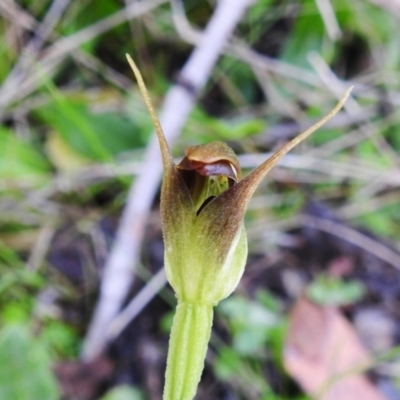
[
  {"x": 251, "y": 324},
  {"x": 207, "y": 129},
  {"x": 246, "y": 313},
  {"x": 368, "y": 151},
  {"x": 20, "y": 162},
  {"x": 234, "y": 130},
  {"x": 60, "y": 337},
  {"x": 308, "y": 34},
  {"x": 384, "y": 221},
  {"x": 99, "y": 137},
  {"x": 328, "y": 290},
  {"x": 93, "y": 12},
  {"x": 227, "y": 364},
  {"x": 25, "y": 369},
  {"x": 15, "y": 312}
]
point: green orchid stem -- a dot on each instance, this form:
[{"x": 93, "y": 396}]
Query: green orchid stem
[{"x": 191, "y": 330}]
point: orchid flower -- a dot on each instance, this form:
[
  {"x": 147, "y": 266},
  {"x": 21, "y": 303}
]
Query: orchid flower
[{"x": 203, "y": 202}]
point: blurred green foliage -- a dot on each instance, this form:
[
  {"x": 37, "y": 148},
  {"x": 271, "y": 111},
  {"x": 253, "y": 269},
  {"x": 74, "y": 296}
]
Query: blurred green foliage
[
  {"x": 251, "y": 324},
  {"x": 25, "y": 366},
  {"x": 332, "y": 291},
  {"x": 20, "y": 161}
]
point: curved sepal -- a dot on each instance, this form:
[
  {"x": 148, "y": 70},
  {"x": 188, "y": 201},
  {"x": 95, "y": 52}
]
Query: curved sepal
[
  {"x": 222, "y": 217},
  {"x": 168, "y": 161}
]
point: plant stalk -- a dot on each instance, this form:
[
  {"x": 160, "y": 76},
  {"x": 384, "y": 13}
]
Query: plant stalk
[{"x": 190, "y": 333}]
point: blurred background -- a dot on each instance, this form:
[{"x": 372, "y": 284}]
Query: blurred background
[{"x": 85, "y": 311}]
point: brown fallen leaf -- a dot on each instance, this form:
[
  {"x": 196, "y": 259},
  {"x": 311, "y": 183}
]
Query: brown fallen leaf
[{"x": 324, "y": 355}]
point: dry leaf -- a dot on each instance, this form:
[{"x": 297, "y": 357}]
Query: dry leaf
[{"x": 324, "y": 355}]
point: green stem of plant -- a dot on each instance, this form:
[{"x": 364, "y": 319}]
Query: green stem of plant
[{"x": 190, "y": 334}]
